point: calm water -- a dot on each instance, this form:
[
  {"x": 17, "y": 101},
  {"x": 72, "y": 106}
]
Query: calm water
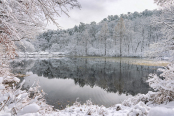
[{"x": 106, "y": 81}]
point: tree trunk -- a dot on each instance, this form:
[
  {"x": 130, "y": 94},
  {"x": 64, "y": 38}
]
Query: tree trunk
[
  {"x": 121, "y": 34},
  {"x": 142, "y": 45},
  {"x": 105, "y": 46},
  {"x": 86, "y": 45}
]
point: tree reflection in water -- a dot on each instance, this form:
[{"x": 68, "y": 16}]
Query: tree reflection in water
[{"x": 114, "y": 76}]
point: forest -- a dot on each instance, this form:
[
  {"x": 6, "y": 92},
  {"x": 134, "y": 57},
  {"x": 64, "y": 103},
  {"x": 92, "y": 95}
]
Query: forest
[{"x": 127, "y": 35}]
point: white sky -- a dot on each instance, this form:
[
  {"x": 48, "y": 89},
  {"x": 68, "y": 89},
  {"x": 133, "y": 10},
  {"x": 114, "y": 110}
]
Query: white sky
[{"x": 96, "y": 10}]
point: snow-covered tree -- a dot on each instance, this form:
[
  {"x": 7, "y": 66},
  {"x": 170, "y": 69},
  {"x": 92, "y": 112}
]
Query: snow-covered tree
[
  {"x": 165, "y": 22},
  {"x": 120, "y": 32},
  {"x": 55, "y": 47},
  {"x": 104, "y": 36},
  {"x": 24, "y": 18},
  {"x": 164, "y": 2},
  {"x": 140, "y": 33},
  {"x": 163, "y": 84}
]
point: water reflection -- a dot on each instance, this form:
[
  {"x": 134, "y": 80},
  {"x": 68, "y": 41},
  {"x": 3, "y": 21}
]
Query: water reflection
[{"x": 100, "y": 79}]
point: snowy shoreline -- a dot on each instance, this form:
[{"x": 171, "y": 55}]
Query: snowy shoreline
[{"x": 44, "y": 54}]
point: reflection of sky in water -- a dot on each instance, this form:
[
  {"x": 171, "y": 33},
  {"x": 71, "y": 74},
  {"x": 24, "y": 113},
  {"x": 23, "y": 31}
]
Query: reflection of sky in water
[
  {"x": 65, "y": 91},
  {"x": 105, "y": 81}
]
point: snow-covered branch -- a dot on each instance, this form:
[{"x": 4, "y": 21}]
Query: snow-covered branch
[
  {"x": 164, "y": 2},
  {"x": 24, "y": 18}
]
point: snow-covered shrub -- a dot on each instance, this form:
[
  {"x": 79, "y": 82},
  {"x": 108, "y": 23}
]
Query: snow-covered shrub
[
  {"x": 88, "y": 103},
  {"x": 163, "y": 84},
  {"x": 90, "y": 111},
  {"x": 136, "y": 99},
  {"x": 139, "y": 110},
  {"x": 103, "y": 111},
  {"x": 10, "y": 79},
  {"x": 118, "y": 107},
  {"x": 14, "y": 101},
  {"x": 76, "y": 103}
]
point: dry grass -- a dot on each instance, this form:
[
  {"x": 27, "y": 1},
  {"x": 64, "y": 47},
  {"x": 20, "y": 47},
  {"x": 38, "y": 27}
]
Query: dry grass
[
  {"x": 152, "y": 63},
  {"x": 134, "y": 61},
  {"x": 21, "y": 75}
]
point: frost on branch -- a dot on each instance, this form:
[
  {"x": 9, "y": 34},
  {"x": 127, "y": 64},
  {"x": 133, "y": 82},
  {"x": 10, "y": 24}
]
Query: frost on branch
[
  {"x": 24, "y": 18},
  {"x": 165, "y": 46},
  {"x": 15, "y": 101},
  {"x": 164, "y": 87}
]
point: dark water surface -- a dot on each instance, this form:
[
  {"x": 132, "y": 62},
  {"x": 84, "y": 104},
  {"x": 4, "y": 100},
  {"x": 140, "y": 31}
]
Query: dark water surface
[{"x": 106, "y": 81}]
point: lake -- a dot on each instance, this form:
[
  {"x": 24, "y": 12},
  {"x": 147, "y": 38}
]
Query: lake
[{"x": 105, "y": 81}]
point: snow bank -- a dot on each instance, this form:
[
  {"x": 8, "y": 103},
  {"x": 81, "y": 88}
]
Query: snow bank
[
  {"x": 88, "y": 109},
  {"x": 161, "y": 111},
  {"x": 139, "y": 110}
]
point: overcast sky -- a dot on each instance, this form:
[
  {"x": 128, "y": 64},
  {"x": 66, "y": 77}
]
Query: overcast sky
[{"x": 96, "y": 10}]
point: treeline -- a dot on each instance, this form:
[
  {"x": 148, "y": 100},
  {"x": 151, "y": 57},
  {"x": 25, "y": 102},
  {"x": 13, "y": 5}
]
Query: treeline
[{"x": 125, "y": 35}]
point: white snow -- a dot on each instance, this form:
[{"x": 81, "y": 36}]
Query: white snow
[
  {"x": 11, "y": 79},
  {"x": 1, "y": 80},
  {"x": 1, "y": 87},
  {"x": 161, "y": 111},
  {"x": 31, "y": 108}
]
